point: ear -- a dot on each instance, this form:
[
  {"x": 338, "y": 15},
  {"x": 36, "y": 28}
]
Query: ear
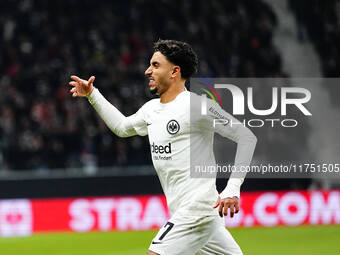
[{"x": 176, "y": 70}]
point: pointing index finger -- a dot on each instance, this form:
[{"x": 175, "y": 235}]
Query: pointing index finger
[{"x": 75, "y": 78}]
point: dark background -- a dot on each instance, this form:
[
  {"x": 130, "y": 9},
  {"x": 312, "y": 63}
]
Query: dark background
[{"x": 43, "y": 129}]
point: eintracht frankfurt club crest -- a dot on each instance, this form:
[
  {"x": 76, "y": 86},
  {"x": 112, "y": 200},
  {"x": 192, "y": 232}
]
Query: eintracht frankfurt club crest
[{"x": 172, "y": 127}]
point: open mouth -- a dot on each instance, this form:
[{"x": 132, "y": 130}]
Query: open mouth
[{"x": 151, "y": 81}]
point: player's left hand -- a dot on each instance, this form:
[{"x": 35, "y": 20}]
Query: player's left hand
[{"x": 228, "y": 203}]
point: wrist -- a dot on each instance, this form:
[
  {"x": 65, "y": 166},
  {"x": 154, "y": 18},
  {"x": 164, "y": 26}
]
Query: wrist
[
  {"x": 91, "y": 91},
  {"x": 232, "y": 190}
]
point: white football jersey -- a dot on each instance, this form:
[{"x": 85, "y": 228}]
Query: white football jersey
[{"x": 175, "y": 135}]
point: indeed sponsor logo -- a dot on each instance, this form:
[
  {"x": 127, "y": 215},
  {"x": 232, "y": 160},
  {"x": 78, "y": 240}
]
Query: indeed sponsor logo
[{"x": 161, "y": 148}]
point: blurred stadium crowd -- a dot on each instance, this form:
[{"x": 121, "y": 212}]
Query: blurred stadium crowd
[
  {"x": 321, "y": 25},
  {"x": 44, "y": 42}
]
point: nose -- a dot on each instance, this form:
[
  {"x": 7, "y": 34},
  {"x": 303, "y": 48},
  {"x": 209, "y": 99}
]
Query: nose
[{"x": 148, "y": 71}]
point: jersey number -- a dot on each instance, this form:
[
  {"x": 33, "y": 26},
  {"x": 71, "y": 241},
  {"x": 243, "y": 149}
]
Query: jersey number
[{"x": 170, "y": 226}]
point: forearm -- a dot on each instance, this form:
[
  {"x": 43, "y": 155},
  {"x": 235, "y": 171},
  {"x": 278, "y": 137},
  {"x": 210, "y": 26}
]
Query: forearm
[
  {"x": 246, "y": 142},
  {"x": 113, "y": 118}
]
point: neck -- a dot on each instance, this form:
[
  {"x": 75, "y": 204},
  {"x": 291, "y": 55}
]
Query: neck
[{"x": 172, "y": 92}]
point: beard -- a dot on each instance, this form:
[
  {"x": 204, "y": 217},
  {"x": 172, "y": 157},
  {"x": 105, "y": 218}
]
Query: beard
[{"x": 153, "y": 91}]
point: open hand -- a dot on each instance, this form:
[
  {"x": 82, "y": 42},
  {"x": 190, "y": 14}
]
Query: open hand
[
  {"x": 228, "y": 203},
  {"x": 81, "y": 88}
]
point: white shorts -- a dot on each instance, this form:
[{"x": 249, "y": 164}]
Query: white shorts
[{"x": 189, "y": 235}]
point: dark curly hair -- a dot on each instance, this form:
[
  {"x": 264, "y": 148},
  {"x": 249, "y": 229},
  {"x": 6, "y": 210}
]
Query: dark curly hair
[{"x": 179, "y": 53}]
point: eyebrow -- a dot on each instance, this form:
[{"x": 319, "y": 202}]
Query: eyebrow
[{"x": 154, "y": 62}]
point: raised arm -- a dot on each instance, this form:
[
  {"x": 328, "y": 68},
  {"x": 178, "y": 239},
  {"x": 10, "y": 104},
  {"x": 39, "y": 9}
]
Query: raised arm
[{"x": 119, "y": 124}]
